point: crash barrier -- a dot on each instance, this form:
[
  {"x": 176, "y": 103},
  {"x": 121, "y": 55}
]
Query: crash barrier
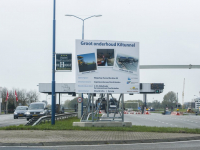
[
  {"x": 133, "y": 112},
  {"x": 176, "y": 113},
  {"x": 70, "y": 109},
  {"x": 147, "y": 113},
  {"x": 35, "y": 121}
]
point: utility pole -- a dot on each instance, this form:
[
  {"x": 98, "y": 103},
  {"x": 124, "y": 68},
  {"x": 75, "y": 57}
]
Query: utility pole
[
  {"x": 183, "y": 93},
  {"x": 177, "y": 101}
]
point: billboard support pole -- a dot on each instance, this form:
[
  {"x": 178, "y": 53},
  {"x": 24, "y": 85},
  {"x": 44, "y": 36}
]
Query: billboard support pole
[
  {"x": 92, "y": 107},
  {"x": 107, "y": 105},
  {"x": 145, "y": 102},
  {"x": 122, "y": 107}
]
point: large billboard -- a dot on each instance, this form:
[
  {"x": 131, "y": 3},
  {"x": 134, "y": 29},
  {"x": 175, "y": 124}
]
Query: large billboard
[
  {"x": 63, "y": 62},
  {"x": 107, "y": 67}
]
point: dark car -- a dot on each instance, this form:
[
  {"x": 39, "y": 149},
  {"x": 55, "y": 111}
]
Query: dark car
[
  {"x": 37, "y": 109},
  {"x": 20, "y": 111},
  {"x": 113, "y": 109},
  {"x": 62, "y": 110}
]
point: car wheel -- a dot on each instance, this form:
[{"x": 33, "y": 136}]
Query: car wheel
[
  {"x": 27, "y": 119},
  {"x": 14, "y": 117}
]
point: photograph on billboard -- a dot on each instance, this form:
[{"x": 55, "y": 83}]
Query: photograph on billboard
[
  {"x": 124, "y": 62},
  {"x": 63, "y": 62},
  {"x": 86, "y": 62},
  {"x": 107, "y": 67},
  {"x": 105, "y": 57}
]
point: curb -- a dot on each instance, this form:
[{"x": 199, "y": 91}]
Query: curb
[{"x": 102, "y": 142}]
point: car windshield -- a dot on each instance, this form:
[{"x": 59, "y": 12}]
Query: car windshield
[
  {"x": 21, "y": 108},
  {"x": 36, "y": 106}
]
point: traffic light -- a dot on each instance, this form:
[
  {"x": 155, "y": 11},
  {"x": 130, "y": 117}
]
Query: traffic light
[{"x": 157, "y": 91}]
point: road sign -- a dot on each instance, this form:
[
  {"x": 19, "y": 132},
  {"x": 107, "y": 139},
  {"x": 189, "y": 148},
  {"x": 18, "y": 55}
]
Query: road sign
[
  {"x": 63, "y": 62},
  {"x": 79, "y": 100}
]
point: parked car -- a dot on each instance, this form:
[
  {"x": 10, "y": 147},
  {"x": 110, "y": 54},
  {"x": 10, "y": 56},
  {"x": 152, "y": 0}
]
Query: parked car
[
  {"x": 20, "y": 111},
  {"x": 37, "y": 109}
]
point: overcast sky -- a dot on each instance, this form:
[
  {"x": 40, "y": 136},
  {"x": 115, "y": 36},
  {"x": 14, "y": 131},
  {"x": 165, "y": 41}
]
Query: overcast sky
[{"x": 168, "y": 32}]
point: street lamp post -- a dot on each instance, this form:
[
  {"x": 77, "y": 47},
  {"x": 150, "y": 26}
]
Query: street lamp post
[
  {"x": 83, "y": 21},
  {"x": 53, "y": 66},
  {"x": 81, "y": 95}
]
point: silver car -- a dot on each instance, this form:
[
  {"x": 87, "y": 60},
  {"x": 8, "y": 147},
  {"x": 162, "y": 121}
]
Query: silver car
[{"x": 36, "y": 109}]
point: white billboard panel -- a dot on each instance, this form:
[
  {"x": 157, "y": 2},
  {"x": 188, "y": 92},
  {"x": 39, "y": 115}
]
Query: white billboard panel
[
  {"x": 107, "y": 67},
  {"x": 60, "y": 87}
]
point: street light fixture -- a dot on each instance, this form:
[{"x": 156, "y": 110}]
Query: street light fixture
[
  {"x": 82, "y": 39},
  {"x": 83, "y": 21}
]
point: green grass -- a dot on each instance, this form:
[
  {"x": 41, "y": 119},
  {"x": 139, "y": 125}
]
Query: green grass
[
  {"x": 97, "y": 115},
  {"x": 67, "y": 125}
]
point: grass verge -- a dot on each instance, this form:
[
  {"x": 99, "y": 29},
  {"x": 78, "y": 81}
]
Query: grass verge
[{"x": 67, "y": 125}]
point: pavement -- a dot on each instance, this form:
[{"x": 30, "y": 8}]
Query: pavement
[{"x": 74, "y": 137}]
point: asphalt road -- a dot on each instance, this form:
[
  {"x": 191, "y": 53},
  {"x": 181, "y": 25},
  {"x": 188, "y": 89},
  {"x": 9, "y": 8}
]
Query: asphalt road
[
  {"x": 154, "y": 119},
  {"x": 159, "y": 120},
  {"x": 185, "y": 145},
  {"x": 8, "y": 120}
]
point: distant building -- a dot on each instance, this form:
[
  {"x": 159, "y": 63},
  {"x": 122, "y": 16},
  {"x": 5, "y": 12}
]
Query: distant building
[
  {"x": 197, "y": 103},
  {"x": 189, "y": 105}
]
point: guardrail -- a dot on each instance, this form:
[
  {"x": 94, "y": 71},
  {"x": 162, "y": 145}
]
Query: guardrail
[{"x": 57, "y": 117}]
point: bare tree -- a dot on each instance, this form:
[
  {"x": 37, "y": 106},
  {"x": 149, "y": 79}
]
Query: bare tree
[
  {"x": 24, "y": 97},
  {"x": 32, "y": 96}
]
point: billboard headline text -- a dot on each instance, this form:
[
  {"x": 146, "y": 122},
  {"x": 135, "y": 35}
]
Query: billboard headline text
[{"x": 107, "y": 44}]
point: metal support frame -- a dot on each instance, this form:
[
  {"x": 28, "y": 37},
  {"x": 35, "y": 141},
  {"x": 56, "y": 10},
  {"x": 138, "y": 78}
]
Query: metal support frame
[
  {"x": 92, "y": 107},
  {"x": 95, "y": 114},
  {"x": 122, "y": 107}
]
